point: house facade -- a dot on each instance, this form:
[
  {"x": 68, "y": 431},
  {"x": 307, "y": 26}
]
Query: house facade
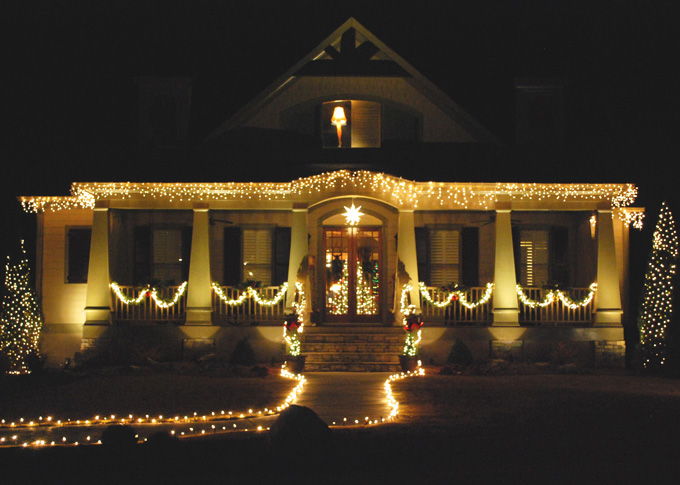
[{"x": 505, "y": 268}]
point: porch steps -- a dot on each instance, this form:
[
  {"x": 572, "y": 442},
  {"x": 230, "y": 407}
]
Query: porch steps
[{"x": 352, "y": 348}]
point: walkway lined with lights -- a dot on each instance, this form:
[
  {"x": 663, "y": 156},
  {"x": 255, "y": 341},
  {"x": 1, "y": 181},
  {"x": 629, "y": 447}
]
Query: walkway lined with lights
[
  {"x": 352, "y": 395},
  {"x": 339, "y": 398}
]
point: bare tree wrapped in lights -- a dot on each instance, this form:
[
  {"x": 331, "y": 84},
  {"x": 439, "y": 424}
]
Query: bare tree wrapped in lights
[
  {"x": 20, "y": 318},
  {"x": 657, "y": 298}
]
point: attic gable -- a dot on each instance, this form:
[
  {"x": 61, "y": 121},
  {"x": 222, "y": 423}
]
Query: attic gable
[{"x": 353, "y": 52}]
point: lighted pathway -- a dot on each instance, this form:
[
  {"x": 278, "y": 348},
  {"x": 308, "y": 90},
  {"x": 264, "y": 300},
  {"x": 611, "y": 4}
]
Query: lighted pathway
[
  {"x": 352, "y": 395},
  {"x": 340, "y": 398}
]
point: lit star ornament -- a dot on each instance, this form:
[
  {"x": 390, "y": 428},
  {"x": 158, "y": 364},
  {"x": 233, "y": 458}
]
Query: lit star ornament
[{"x": 352, "y": 215}]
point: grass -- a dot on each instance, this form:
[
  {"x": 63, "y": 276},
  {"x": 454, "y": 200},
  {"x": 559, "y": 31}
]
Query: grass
[
  {"x": 453, "y": 429},
  {"x": 79, "y": 396}
]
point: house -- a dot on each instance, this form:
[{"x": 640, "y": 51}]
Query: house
[{"x": 508, "y": 269}]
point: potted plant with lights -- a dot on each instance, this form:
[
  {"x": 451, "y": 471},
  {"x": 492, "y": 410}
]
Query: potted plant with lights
[
  {"x": 295, "y": 362},
  {"x": 409, "y": 357}
]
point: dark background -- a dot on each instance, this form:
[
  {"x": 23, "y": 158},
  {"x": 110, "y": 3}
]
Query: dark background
[{"x": 70, "y": 93}]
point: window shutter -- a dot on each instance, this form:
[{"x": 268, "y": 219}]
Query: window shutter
[
  {"x": 232, "y": 256},
  {"x": 142, "y": 243},
  {"x": 423, "y": 254},
  {"x": 470, "y": 261},
  {"x": 444, "y": 256},
  {"x": 257, "y": 255},
  {"x": 78, "y": 255},
  {"x": 281, "y": 254},
  {"x": 534, "y": 257},
  {"x": 186, "y": 251},
  {"x": 517, "y": 254},
  {"x": 365, "y": 124},
  {"x": 559, "y": 255}
]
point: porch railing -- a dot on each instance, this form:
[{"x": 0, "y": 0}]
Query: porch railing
[
  {"x": 249, "y": 310},
  {"x": 456, "y": 313},
  {"x": 147, "y": 309},
  {"x": 556, "y": 313}
]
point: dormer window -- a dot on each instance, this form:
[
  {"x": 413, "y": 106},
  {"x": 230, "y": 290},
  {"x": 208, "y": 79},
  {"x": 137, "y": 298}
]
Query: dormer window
[{"x": 351, "y": 124}]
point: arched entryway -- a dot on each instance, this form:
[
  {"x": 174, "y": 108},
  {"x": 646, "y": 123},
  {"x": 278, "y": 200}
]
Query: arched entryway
[{"x": 354, "y": 270}]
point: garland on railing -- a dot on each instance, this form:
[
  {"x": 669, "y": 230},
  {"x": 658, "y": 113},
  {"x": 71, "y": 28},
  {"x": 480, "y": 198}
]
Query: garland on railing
[
  {"x": 294, "y": 323},
  {"x": 456, "y": 295},
  {"x": 151, "y": 293},
  {"x": 250, "y": 292},
  {"x": 553, "y": 295}
]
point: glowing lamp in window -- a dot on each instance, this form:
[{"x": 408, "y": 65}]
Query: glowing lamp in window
[{"x": 339, "y": 120}]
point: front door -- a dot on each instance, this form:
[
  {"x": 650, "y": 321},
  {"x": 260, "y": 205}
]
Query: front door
[{"x": 353, "y": 274}]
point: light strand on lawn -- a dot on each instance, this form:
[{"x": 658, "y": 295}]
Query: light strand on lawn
[{"x": 148, "y": 419}]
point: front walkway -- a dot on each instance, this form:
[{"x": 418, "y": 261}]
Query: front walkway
[
  {"x": 352, "y": 395},
  {"x": 340, "y": 398}
]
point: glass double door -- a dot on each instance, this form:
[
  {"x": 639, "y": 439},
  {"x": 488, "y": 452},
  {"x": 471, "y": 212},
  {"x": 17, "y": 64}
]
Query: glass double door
[{"x": 352, "y": 257}]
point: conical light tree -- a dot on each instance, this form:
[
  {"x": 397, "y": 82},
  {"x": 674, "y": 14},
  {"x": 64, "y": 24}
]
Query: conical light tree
[
  {"x": 20, "y": 318},
  {"x": 657, "y": 298}
]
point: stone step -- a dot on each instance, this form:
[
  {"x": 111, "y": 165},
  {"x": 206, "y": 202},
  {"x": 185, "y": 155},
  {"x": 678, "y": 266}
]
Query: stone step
[
  {"x": 350, "y": 357},
  {"x": 352, "y": 347},
  {"x": 365, "y": 338},
  {"x": 352, "y": 367}
]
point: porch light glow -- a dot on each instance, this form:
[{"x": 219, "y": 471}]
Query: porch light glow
[
  {"x": 352, "y": 215},
  {"x": 339, "y": 120}
]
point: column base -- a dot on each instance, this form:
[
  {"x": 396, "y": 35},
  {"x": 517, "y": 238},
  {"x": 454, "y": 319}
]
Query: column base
[
  {"x": 198, "y": 316},
  {"x": 505, "y": 317},
  {"x": 607, "y": 318},
  {"x": 97, "y": 316}
]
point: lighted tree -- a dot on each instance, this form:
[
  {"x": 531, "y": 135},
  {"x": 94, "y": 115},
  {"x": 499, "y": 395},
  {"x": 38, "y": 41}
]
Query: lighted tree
[
  {"x": 20, "y": 318},
  {"x": 657, "y": 298}
]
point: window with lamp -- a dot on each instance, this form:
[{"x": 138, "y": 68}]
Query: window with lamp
[{"x": 351, "y": 124}]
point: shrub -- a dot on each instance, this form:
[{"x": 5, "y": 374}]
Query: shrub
[
  {"x": 243, "y": 353},
  {"x": 460, "y": 354}
]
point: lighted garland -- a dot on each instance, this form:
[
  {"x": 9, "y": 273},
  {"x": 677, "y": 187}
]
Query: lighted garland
[
  {"x": 399, "y": 190},
  {"x": 656, "y": 308},
  {"x": 250, "y": 292},
  {"x": 456, "y": 295},
  {"x": 553, "y": 296},
  {"x": 294, "y": 324},
  {"x": 151, "y": 293},
  {"x": 411, "y": 343}
]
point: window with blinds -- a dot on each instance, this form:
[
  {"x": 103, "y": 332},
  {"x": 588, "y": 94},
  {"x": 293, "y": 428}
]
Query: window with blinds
[
  {"x": 351, "y": 124},
  {"x": 534, "y": 257},
  {"x": 167, "y": 256},
  {"x": 257, "y": 255},
  {"x": 444, "y": 256}
]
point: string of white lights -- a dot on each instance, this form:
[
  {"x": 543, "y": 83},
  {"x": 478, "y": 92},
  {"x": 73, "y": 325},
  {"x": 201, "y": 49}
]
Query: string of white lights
[{"x": 553, "y": 296}]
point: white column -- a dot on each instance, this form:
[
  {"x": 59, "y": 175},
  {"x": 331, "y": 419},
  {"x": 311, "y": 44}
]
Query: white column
[
  {"x": 98, "y": 298},
  {"x": 298, "y": 251},
  {"x": 505, "y": 306},
  {"x": 406, "y": 254},
  {"x": 608, "y": 297},
  {"x": 199, "y": 301}
]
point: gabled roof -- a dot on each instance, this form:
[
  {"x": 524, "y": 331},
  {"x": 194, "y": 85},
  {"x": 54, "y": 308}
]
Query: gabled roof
[{"x": 387, "y": 63}]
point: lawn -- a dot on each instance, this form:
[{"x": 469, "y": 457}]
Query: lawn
[
  {"x": 453, "y": 429},
  {"x": 84, "y": 395}
]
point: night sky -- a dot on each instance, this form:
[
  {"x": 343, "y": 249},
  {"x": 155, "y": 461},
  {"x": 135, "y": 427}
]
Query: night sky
[{"x": 70, "y": 98}]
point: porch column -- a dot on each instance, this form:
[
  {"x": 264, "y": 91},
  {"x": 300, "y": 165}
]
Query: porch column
[
  {"x": 505, "y": 306},
  {"x": 299, "y": 248},
  {"x": 608, "y": 295},
  {"x": 199, "y": 301},
  {"x": 406, "y": 254},
  {"x": 98, "y": 297}
]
